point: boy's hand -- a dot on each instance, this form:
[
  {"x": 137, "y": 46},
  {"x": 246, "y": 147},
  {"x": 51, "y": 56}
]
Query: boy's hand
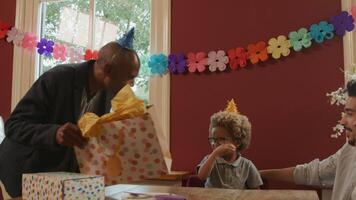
[{"x": 224, "y": 149}]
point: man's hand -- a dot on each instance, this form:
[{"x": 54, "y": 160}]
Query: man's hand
[{"x": 70, "y": 135}]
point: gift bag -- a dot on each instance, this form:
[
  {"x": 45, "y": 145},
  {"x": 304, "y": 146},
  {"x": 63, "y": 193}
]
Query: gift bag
[{"x": 126, "y": 145}]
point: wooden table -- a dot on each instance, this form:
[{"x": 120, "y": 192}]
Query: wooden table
[{"x": 193, "y": 193}]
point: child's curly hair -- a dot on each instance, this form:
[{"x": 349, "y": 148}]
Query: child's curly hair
[{"x": 237, "y": 125}]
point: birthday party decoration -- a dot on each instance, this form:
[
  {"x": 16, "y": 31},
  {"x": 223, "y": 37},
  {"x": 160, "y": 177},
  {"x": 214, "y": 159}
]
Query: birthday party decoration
[
  {"x": 299, "y": 39},
  {"x": 197, "y": 62},
  {"x": 127, "y": 40},
  {"x": 158, "y": 64},
  {"x": 217, "y": 60},
  {"x": 238, "y": 57},
  {"x": 278, "y": 47},
  {"x": 15, "y": 35}
]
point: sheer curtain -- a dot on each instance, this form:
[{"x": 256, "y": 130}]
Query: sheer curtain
[{"x": 2, "y": 131}]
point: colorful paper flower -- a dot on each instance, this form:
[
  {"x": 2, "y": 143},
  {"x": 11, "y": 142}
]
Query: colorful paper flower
[
  {"x": 177, "y": 63},
  {"x": 299, "y": 39},
  {"x": 45, "y": 47},
  {"x": 257, "y": 52},
  {"x": 158, "y": 64},
  {"x": 320, "y": 32},
  {"x": 237, "y": 57},
  {"x": 278, "y": 47},
  {"x": 196, "y": 62},
  {"x": 15, "y": 35},
  {"x": 342, "y": 23},
  {"x": 29, "y": 41},
  {"x": 75, "y": 55},
  {"x": 59, "y": 52},
  {"x": 353, "y": 11},
  {"x": 3, "y": 29},
  {"x": 217, "y": 60},
  {"x": 91, "y": 54}
]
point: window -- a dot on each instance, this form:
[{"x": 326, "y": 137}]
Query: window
[
  {"x": 43, "y": 17},
  {"x": 349, "y": 41},
  {"x": 83, "y": 24}
]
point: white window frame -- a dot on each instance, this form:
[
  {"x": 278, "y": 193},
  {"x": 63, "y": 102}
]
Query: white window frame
[
  {"x": 349, "y": 41},
  {"x": 24, "y": 63}
]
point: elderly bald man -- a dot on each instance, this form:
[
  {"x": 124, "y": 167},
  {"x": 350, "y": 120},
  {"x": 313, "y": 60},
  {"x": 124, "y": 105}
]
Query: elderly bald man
[{"x": 42, "y": 130}]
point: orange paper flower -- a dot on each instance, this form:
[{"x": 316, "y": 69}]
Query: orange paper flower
[{"x": 257, "y": 52}]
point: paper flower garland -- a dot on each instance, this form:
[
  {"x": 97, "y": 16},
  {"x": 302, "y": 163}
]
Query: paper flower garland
[
  {"x": 29, "y": 41},
  {"x": 257, "y": 52},
  {"x": 299, "y": 39},
  {"x": 342, "y": 23},
  {"x": 320, "y": 32},
  {"x": 217, "y": 60},
  {"x": 177, "y": 63},
  {"x": 196, "y": 62},
  {"x": 158, "y": 64},
  {"x": 15, "y": 35},
  {"x": 59, "y": 52},
  {"x": 237, "y": 57},
  {"x": 278, "y": 47},
  {"x": 45, "y": 47}
]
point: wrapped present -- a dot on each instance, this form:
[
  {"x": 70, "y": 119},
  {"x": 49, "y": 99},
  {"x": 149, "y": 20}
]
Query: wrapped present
[
  {"x": 125, "y": 145},
  {"x": 62, "y": 185}
]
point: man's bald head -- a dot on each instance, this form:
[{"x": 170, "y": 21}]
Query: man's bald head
[{"x": 116, "y": 66}]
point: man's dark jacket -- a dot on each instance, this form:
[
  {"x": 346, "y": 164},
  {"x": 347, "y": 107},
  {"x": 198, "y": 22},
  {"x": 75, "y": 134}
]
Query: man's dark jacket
[{"x": 30, "y": 145}]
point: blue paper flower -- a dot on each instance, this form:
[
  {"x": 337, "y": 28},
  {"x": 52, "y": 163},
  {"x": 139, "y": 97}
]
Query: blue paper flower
[
  {"x": 177, "y": 63},
  {"x": 342, "y": 23},
  {"x": 320, "y": 32},
  {"x": 127, "y": 40},
  {"x": 158, "y": 64},
  {"x": 45, "y": 47}
]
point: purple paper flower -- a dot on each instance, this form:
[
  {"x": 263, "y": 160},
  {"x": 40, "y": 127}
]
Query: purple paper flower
[
  {"x": 177, "y": 63},
  {"x": 45, "y": 47},
  {"x": 342, "y": 23}
]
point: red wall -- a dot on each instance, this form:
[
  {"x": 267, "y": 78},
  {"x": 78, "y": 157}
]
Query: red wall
[
  {"x": 7, "y": 14},
  {"x": 284, "y": 99}
]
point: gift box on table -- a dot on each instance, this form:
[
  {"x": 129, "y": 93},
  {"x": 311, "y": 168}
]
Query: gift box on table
[
  {"x": 62, "y": 185},
  {"x": 126, "y": 145}
]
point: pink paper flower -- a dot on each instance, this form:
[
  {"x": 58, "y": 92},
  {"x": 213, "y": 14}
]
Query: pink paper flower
[
  {"x": 217, "y": 60},
  {"x": 59, "y": 52},
  {"x": 353, "y": 11},
  {"x": 196, "y": 62},
  {"x": 15, "y": 35},
  {"x": 29, "y": 41},
  {"x": 75, "y": 55}
]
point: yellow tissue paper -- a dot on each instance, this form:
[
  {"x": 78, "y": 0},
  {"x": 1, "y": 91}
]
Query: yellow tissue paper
[{"x": 124, "y": 105}]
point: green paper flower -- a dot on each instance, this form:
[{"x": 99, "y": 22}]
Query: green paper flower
[{"x": 299, "y": 39}]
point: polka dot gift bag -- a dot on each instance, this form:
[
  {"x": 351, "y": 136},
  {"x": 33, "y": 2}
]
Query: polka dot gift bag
[{"x": 125, "y": 145}]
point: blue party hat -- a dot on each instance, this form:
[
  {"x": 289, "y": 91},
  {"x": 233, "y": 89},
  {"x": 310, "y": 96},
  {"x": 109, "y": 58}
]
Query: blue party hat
[{"x": 126, "y": 41}]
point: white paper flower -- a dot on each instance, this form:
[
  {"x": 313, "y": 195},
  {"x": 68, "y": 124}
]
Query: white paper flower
[
  {"x": 337, "y": 97},
  {"x": 75, "y": 55},
  {"x": 217, "y": 60},
  {"x": 338, "y": 129},
  {"x": 15, "y": 35}
]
